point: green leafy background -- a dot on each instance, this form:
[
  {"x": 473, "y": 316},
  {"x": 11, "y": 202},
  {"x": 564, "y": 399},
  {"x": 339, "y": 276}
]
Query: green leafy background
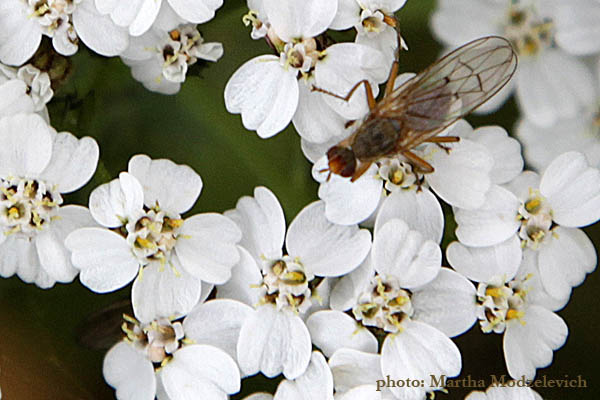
[{"x": 40, "y": 354}]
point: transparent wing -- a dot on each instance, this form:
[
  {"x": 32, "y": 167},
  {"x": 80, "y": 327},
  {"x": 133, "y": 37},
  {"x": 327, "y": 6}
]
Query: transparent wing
[{"x": 450, "y": 88}]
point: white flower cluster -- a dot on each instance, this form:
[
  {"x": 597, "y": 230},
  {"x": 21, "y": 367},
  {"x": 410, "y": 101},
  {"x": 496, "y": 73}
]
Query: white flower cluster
[
  {"x": 332, "y": 306},
  {"x": 158, "y": 39},
  {"x": 557, "y": 84}
]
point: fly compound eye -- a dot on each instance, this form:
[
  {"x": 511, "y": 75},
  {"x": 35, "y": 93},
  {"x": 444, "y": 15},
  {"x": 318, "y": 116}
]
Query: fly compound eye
[{"x": 342, "y": 161}]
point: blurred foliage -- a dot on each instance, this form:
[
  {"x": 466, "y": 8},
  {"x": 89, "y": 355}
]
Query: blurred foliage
[{"x": 40, "y": 357}]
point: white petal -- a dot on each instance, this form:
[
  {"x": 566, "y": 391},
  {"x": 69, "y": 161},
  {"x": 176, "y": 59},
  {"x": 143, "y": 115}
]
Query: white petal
[
  {"x": 333, "y": 330},
  {"x": 417, "y": 353},
  {"x": 217, "y": 323},
  {"x": 565, "y": 260},
  {"x": 159, "y": 292},
  {"x": 577, "y": 29},
  {"x": 14, "y": 98},
  {"x": 245, "y": 279},
  {"x": 493, "y": 223},
  {"x": 420, "y": 210},
  {"x": 26, "y": 145},
  {"x": 173, "y": 187},
  {"x": 385, "y": 41},
  {"x": 348, "y": 203},
  {"x": 299, "y": 19},
  {"x": 405, "y": 254},
  {"x": 481, "y": 264},
  {"x": 506, "y": 151},
  {"x": 259, "y": 396},
  {"x": 344, "y": 66},
  {"x": 273, "y": 342},
  {"x": 20, "y": 36},
  {"x": 324, "y": 248},
  {"x": 128, "y": 371},
  {"x": 529, "y": 342},
  {"x": 315, "y": 384},
  {"x": 196, "y": 11},
  {"x": 351, "y": 368},
  {"x": 54, "y": 256},
  {"x": 73, "y": 162},
  {"x": 448, "y": 303},
  {"x": 104, "y": 258},
  {"x": 347, "y": 289},
  {"x": 314, "y": 120},
  {"x": 362, "y": 392},
  {"x": 522, "y": 185},
  {"x": 552, "y": 86},
  {"x": 461, "y": 177},
  {"x": 117, "y": 201},
  {"x": 98, "y": 32},
  {"x": 8, "y": 256},
  {"x": 572, "y": 188},
  {"x": 537, "y": 294},
  {"x": 262, "y": 223},
  {"x": 200, "y": 371},
  {"x": 347, "y": 15},
  {"x": 207, "y": 247},
  {"x": 28, "y": 262},
  {"x": 264, "y": 93},
  {"x": 460, "y": 21}
]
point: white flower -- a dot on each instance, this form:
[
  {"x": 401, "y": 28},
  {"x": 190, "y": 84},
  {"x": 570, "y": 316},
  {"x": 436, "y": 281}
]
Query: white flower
[
  {"x": 285, "y": 288},
  {"x": 401, "y": 294},
  {"x": 316, "y": 383},
  {"x": 543, "y": 214},
  {"x": 142, "y": 229},
  {"x": 514, "y": 303},
  {"x": 160, "y": 359},
  {"x": 550, "y": 82},
  {"x": 38, "y": 84},
  {"x": 513, "y": 392},
  {"x": 462, "y": 176},
  {"x": 23, "y": 22},
  {"x": 37, "y": 166},
  {"x": 374, "y": 22},
  {"x": 268, "y": 91},
  {"x": 160, "y": 59}
]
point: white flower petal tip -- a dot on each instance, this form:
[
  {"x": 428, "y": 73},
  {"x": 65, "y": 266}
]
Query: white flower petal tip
[
  {"x": 264, "y": 93},
  {"x": 405, "y": 254},
  {"x": 172, "y": 187}
]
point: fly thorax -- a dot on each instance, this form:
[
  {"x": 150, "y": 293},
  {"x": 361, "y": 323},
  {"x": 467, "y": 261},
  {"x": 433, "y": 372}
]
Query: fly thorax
[
  {"x": 287, "y": 284},
  {"x": 27, "y": 206},
  {"x": 500, "y": 303},
  {"x": 535, "y": 215},
  {"x": 375, "y": 138},
  {"x": 383, "y": 306},
  {"x": 157, "y": 340},
  {"x": 527, "y": 30}
]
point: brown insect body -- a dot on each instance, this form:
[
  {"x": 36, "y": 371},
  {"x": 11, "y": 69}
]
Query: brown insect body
[{"x": 422, "y": 107}]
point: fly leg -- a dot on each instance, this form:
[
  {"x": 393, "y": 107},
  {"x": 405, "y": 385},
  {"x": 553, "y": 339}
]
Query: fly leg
[
  {"x": 417, "y": 162},
  {"x": 443, "y": 139},
  {"x": 389, "y": 86},
  {"x": 368, "y": 90}
]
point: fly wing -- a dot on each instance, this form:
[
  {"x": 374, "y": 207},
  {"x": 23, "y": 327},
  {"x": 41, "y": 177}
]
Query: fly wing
[{"x": 450, "y": 88}]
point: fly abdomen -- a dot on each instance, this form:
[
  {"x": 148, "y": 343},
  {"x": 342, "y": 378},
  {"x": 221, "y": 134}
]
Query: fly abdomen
[{"x": 376, "y": 138}]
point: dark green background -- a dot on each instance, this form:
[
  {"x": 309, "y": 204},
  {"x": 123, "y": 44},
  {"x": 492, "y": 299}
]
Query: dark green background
[{"x": 39, "y": 354}]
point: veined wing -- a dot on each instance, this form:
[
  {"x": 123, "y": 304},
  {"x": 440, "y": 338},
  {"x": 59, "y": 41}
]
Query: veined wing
[{"x": 450, "y": 88}]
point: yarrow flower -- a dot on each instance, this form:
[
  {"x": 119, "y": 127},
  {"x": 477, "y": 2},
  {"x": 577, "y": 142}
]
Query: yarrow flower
[
  {"x": 143, "y": 234},
  {"x": 162, "y": 358},
  {"x": 402, "y": 297},
  {"x": 23, "y": 22},
  {"x": 38, "y": 84},
  {"x": 272, "y": 90},
  {"x": 160, "y": 59},
  {"x": 285, "y": 288},
  {"x": 37, "y": 167},
  {"x": 544, "y": 214}
]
